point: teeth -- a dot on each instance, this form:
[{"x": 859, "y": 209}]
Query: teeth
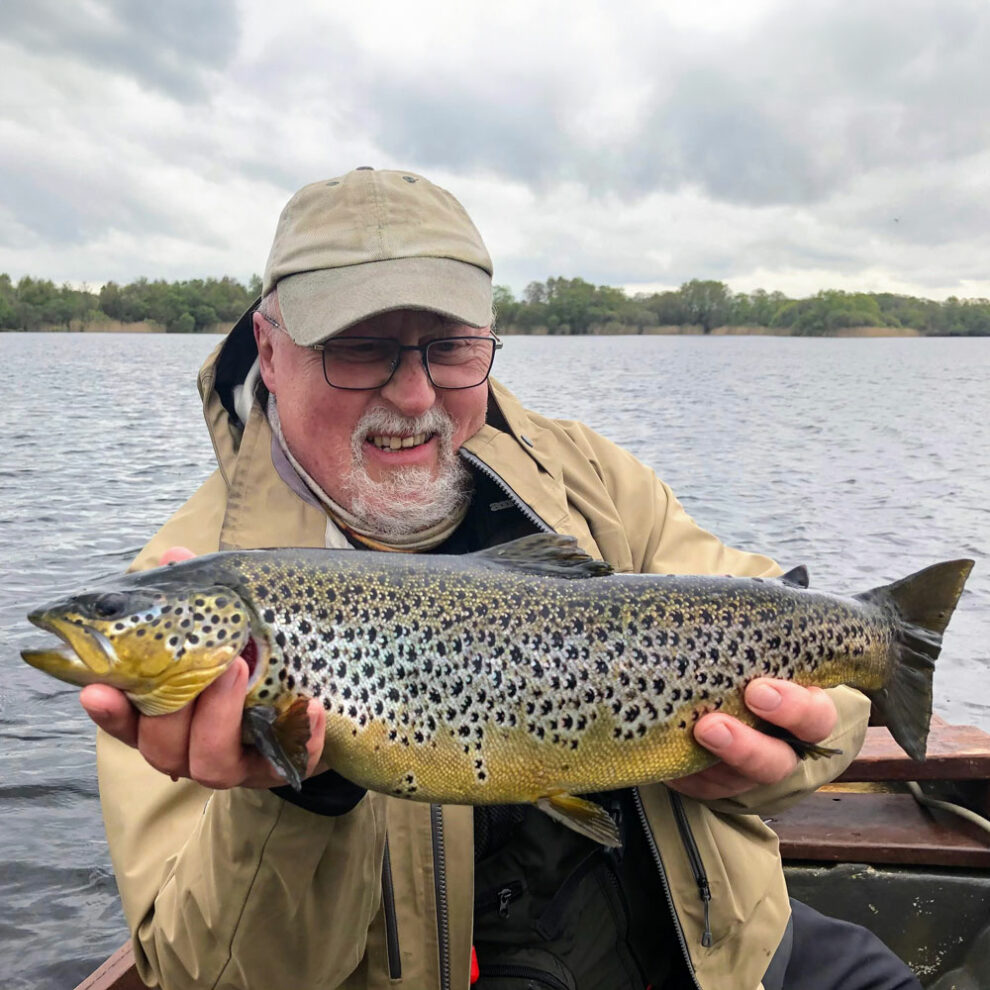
[{"x": 397, "y": 443}]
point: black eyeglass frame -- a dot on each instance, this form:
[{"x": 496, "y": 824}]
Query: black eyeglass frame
[{"x": 492, "y": 338}]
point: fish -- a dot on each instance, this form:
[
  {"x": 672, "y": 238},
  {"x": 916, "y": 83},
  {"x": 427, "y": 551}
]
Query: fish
[{"x": 529, "y": 672}]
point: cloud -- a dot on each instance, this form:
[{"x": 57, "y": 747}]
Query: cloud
[
  {"x": 785, "y": 111},
  {"x": 801, "y": 145},
  {"x": 171, "y": 46}
]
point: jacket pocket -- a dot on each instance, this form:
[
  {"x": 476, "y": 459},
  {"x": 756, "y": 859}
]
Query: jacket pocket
[
  {"x": 523, "y": 968},
  {"x": 505, "y": 977},
  {"x": 743, "y": 868}
]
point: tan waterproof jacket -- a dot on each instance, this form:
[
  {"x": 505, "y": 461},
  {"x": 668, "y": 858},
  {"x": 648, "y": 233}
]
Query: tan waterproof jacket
[{"x": 241, "y": 889}]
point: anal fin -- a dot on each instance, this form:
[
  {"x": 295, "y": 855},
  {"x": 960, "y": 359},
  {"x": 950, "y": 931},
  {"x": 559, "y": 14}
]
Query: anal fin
[{"x": 583, "y": 816}]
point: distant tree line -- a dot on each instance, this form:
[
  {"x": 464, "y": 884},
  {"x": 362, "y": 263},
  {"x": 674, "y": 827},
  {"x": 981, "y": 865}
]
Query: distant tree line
[
  {"x": 556, "y": 306},
  {"x": 178, "y": 307},
  {"x": 574, "y": 306}
]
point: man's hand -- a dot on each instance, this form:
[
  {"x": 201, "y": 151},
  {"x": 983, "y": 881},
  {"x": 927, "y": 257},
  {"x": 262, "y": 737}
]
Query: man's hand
[
  {"x": 201, "y": 741},
  {"x": 751, "y": 758}
]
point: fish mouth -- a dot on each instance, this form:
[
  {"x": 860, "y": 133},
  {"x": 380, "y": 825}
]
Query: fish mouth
[{"x": 84, "y": 656}]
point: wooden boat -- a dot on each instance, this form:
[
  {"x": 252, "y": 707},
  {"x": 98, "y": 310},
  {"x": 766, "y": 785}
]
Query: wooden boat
[{"x": 864, "y": 849}]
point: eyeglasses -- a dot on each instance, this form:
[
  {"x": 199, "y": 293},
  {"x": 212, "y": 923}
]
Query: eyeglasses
[{"x": 361, "y": 363}]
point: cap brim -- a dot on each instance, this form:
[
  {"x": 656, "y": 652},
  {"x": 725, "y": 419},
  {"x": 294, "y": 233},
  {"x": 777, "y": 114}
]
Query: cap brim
[{"x": 316, "y": 305}]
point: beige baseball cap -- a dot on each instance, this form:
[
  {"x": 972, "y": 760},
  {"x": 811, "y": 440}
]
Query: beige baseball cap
[{"x": 372, "y": 241}]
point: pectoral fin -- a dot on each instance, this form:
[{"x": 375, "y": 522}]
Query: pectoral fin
[
  {"x": 804, "y": 750},
  {"x": 281, "y": 737},
  {"x": 584, "y": 816}
]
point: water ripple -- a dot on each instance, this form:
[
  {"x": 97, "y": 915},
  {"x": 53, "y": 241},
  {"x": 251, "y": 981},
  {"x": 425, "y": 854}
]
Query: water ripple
[{"x": 863, "y": 459}]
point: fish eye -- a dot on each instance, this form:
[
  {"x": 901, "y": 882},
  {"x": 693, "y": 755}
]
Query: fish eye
[{"x": 110, "y": 605}]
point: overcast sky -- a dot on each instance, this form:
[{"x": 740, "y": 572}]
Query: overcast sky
[{"x": 765, "y": 143}]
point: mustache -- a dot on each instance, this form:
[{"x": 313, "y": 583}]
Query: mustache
[{"x": 381, "y": 421}]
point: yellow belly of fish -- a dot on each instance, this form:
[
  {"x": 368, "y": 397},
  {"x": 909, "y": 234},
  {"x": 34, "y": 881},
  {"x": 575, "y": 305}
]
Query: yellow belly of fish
[{"x": 513, "y": 766}]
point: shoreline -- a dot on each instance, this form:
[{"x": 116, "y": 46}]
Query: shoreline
[{"x": 146, "y": 326}]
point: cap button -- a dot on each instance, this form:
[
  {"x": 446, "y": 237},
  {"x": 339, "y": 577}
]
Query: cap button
[{"x": 364, "y": 168}]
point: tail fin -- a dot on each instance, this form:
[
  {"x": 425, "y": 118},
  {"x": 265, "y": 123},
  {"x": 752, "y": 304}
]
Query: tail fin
[{"x": 924, "y": 603}]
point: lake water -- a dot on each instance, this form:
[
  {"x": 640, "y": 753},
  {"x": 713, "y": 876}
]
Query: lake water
[{"x": 864, "y": 459}]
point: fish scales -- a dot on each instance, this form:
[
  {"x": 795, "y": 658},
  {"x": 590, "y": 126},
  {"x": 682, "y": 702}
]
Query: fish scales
[
  {"x": 472, "y": 686},
  {"x": 527, "y": 672}
]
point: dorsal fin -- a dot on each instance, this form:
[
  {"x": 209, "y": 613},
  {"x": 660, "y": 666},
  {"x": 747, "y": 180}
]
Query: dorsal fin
[
  {"x": 550, "y": 554},
  {"x": 796, "y": 577}
]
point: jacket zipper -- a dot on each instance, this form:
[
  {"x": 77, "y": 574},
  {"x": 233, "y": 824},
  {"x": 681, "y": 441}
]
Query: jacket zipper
[
  {"x": 498, "y": 898},
  {"x": 436, "y": 812},
  {"x": 658, "y": 861},
  {"x": 391, "y": 922},
  {"x": 694, "y": 856},
  {"x": 440, "y": 886},
  {"x": 477, "y": 462}
]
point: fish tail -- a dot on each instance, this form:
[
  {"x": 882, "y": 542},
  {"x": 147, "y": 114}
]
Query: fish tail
[{"x": 923, "y": 603}]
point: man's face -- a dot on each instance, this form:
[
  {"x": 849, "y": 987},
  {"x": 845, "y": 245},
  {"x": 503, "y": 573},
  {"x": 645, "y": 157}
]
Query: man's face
[{"x": 344, "y": 439}]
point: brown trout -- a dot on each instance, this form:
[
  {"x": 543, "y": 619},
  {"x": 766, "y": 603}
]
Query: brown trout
[{"x": 524, "y": 673}]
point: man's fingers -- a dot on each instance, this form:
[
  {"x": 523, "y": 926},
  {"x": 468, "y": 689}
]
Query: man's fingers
[
  {"x": 808, "y": 713},
  {"x": 164, "y": 741},
  {"x": 111, "y": 711},
  {"x": 174, "y": 554},
  {"x": 317, "y": 737},
  {"x": 718, "y": 781},
  {"x": 753, "y": 754},
  {"x": 216, "y": 753},
  {"x": 203, "y": 740}
]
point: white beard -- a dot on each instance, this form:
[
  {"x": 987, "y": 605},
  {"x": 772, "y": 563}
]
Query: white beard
[{"x": 408, "y": 500}]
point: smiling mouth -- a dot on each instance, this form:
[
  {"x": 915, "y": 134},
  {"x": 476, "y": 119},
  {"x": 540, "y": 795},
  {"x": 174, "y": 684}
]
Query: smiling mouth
[{"x": 400, "y": 443}]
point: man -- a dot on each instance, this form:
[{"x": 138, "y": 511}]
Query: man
[{"x": 353, "y": 408}]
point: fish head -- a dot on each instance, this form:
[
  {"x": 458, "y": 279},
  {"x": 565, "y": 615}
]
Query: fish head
[{"x": 161, "y": 645}]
